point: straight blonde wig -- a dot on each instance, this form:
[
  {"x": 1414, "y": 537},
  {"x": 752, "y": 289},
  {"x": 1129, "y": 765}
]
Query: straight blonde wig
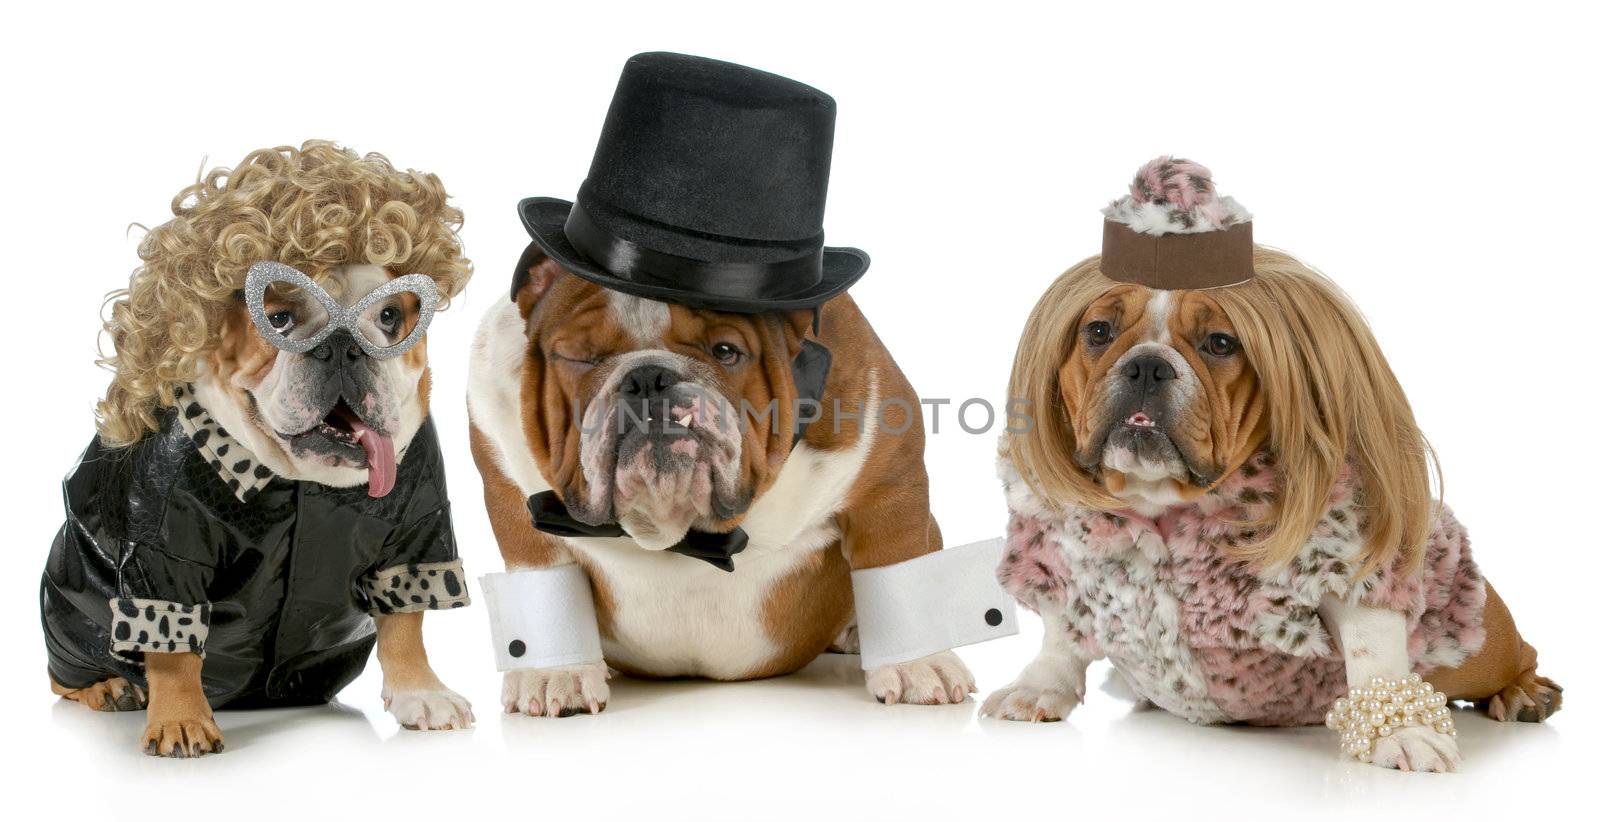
[
  {"x": 1332, "y": 401},
  {"x": 316, "y": 207}
]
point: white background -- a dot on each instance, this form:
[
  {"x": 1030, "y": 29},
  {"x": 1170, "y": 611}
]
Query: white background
[{"x": 1437, "y": 161}]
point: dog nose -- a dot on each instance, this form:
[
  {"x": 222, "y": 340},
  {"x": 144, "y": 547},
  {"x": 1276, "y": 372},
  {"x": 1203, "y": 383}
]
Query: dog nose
[
  {"x": 340, "y": 347},
  {"x": 1149, "y": 369},
  {"x": 648, "y": 381}
]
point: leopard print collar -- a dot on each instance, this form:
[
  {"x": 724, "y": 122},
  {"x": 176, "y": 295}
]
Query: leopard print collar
[{"x": 240, "y": 470}]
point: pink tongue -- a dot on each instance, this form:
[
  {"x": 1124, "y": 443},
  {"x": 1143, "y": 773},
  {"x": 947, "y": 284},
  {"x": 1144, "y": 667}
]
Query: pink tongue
[{"x": 380, "y": 457}]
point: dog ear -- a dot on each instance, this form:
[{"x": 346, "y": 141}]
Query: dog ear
[
  {"x": 533, "y": 277},
  {"x": 797, "y": 325},
  {"x": 809, "y": 364}
]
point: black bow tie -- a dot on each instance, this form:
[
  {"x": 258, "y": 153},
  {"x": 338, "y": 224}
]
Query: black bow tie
[{"x": 551, "y": 516}]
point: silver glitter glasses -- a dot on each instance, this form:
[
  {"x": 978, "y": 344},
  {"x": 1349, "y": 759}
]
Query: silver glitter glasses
[{"x": 310, "y": 315}]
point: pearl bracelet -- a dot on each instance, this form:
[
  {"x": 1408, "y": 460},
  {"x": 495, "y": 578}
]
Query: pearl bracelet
[{"x": 1385, "y": 706}]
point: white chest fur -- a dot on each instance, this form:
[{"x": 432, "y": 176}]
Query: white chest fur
[{"x": 673, "y": 615}]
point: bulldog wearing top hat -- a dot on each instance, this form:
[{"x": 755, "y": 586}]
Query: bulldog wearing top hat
[{"x": 689, "y": 435}]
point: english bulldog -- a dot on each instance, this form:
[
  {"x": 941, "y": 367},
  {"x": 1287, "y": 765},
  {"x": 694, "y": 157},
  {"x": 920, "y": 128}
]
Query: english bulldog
[
  {"x": 1233, "y": 504},
  {"x": 265, "y": 501},
  {"x": 556, "y": 374}
]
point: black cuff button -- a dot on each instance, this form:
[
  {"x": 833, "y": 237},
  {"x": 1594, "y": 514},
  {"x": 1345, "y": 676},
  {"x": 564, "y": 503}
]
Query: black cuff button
[
  {"x": 993, "y": 616},
  {"x": 517, "y": 649}
]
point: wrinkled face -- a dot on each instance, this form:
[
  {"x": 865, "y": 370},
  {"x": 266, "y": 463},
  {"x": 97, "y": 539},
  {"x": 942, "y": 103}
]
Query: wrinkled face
[
  {"x": 334, "y": 414},
  {"x": 1161, "y": 397},
  {"x": 658, "y": 417}
]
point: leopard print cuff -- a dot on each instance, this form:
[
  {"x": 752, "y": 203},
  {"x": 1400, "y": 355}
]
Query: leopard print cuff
[
  {"x": 156, "y": 626},
  {"x": 429, "y": 586}
]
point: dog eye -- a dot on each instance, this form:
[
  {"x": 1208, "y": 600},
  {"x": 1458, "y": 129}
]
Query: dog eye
[
  {"x": 1098, "y": 333},
  {"x": 727, "y": 354},
  {"x": 1220, "y": 345},
  {"x": 281, "y": 321},
  {"x": 389, "y": 318},
  {"x": 580, "y": 358}
]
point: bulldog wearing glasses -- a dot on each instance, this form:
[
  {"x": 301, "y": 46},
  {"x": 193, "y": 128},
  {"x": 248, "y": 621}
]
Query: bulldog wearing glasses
[
  {"x": 265, "y": 500},
  {"x": 347, "y": 384}
]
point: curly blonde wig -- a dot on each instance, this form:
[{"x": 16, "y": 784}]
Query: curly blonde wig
[{"x": 316, "y": 208}]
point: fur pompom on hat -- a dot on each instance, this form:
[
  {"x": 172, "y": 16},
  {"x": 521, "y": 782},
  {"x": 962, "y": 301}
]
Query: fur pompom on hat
[{"x": 1174, "y": 196}]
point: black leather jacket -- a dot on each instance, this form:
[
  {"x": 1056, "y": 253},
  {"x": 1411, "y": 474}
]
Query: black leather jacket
[{"x": 184, "y": 542}]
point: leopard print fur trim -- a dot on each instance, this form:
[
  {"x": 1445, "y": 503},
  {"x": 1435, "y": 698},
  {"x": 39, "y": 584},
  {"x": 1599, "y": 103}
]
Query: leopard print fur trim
[
  {"x": 156, "y": 626},
  {"x": 240, "y": 470},
  {"x": 403, "y": 589}
]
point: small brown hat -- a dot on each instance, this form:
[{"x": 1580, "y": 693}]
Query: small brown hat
[{"x": 1171, "y": 231}]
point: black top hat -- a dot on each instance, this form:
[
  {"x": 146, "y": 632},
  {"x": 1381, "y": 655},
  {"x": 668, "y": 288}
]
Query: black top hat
[{"x": 707, "y": 188}]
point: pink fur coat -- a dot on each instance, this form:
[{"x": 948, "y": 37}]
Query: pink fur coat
[{"x": 1207, "y": 637}]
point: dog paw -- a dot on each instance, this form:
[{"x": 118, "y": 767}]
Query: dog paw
[
  {"x": 1024, "y": 701},
  {"x": 1046, "y": 691},
  {"x": 428, "y": 709},
  {"x": 562, "y": 691},
  {"x": 115, "y": 694},
  {"x": 936, "y": 679},
  {"x": 1417, "y": 748},
  {"x": 181, "y": 738},
  {"x": 1532, "y": 698}
]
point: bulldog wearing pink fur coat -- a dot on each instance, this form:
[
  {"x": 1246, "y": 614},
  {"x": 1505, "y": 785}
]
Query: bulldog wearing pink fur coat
[{"x": 1230, "y": 499}]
